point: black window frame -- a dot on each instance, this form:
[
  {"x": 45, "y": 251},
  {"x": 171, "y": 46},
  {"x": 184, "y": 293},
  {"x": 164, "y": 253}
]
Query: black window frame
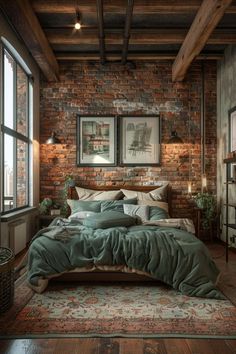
[{"x": 17, "y": 136}]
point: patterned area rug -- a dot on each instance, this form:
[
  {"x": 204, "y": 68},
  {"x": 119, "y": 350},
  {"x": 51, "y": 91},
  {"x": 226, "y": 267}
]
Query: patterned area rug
[{"x": 126, "y": 310}]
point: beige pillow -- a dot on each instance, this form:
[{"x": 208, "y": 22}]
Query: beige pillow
[
  {"x": 159, "y": 193},
  {"x": 162, "y": 205},
  {"x": 91, "y": 194},
  {"x": 135, "y": 194}
]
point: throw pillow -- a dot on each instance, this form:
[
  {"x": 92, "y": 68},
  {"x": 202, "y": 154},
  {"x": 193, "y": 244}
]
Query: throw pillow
[
  {"x": 140, "y": 211},
  {"x": 108, "y": 219},
  {"x": 91, "y": 194},
  {"x": 159, "y": 193},
  {"x": 83, "y": 205},
  {"x": 117, "y": 205}
]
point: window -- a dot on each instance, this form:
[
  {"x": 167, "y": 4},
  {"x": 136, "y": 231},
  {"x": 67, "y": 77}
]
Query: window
[{"x": 15, "y": 130}]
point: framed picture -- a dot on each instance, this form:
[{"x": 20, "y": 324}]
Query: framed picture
[
  {"x": 232, "y": 138},
  {"x": 96, "y": 141},
  {"x": 140, "y": 140}
]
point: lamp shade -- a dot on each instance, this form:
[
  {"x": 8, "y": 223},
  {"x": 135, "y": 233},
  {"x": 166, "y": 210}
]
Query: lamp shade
[
  {"x": 174, "y": 138},
  {"x": 53, "y": 139}
]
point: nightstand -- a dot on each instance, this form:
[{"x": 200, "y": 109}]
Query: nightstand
[
  {"x": 45, "y": 220},
  {"x": 203, "y": 234}
]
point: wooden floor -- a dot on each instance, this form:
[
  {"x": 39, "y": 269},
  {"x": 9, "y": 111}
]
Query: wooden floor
[
  {"x": 130, "y": 345},
  {"x": 118, "y": 346}
]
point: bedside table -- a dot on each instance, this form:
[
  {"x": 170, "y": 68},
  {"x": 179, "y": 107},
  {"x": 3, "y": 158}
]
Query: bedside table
[
  {"x": 45, "y": 220},
  {"x": 202, "y": 234}
]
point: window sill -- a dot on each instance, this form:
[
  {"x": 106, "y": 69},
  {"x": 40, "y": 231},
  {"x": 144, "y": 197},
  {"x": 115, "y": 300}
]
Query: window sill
[{"x": 17, "y": 213}]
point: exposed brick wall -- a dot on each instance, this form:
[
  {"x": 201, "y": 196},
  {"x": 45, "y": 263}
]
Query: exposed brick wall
[{"x": 89, "y": 89}]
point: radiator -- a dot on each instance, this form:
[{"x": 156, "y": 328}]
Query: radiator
[{"x": 17, "y": 235}]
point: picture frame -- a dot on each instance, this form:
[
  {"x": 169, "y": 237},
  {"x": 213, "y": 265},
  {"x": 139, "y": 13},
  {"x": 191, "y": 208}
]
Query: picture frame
[
  {"x": 96, "y": 140},
  {"x": 140, "y": 143},
  {"x": 232, "y": 139}
]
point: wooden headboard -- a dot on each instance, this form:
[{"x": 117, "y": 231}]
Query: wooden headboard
[{"x": 72, "y": 194}]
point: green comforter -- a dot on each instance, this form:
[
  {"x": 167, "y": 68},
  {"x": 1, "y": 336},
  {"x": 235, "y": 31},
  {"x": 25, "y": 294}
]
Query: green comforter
[{"x": 173, "y": 256}]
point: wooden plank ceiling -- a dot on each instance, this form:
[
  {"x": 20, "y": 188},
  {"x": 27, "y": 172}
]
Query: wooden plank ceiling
[{"x": 123, "y": 30}]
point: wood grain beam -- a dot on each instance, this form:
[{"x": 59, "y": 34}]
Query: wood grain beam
[
  {"x": 128, "y": 20},
  {"x": 207, "y": 18},
  {"x": 118, "y": 6},
  {"x": 101, "y": 34},
  {"x": 137, "y": 36},
  {"x": 24, "y": 20},
  {"x": 61, "y": 56}
]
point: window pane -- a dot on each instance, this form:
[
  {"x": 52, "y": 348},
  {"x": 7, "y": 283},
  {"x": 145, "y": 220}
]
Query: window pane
[
  {"x": 30, "y": 118},
  {"x": 21, "y": 99},
  {"x": 9, "y": 201},
  {"x": 17, "y": 111},
  {"x": 21, "y": 162},
  {"x": 8, "y": 90}
]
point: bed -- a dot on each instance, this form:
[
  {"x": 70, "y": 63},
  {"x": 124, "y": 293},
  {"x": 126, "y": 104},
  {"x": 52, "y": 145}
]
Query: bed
[{"x": 117, "y": 235}]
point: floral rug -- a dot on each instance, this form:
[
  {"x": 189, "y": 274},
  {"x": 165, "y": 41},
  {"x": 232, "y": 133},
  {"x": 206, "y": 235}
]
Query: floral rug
[{"x": 120, "y": 309}]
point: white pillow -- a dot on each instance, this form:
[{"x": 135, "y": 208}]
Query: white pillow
[
  {"x": 91, "y": 194},
  {"x": 159, "y": 193},
  {"x": 142, "y": 211}
]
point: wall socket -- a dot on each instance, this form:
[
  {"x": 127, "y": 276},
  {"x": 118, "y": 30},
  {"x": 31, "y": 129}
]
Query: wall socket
[{"x": 233, "y": 239}]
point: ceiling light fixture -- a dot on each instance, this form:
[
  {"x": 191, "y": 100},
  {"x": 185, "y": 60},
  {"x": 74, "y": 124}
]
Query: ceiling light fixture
[{"x": 78, "y": 21}]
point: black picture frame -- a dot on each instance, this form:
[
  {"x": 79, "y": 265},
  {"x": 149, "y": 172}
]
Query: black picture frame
[
  {"x": 232, "y": 140},
  {"x": 140, "y": 140},
  {"x": 96, "y": 140}
]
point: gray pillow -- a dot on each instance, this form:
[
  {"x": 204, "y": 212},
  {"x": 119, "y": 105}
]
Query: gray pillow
[
  {"x": 117, "y": 205},
  {"x": 156, "y": 213},
  {"x": 137, "y": 211},
  {"x": 82, "y": 205},
  {"x": 108, "y": 219}
]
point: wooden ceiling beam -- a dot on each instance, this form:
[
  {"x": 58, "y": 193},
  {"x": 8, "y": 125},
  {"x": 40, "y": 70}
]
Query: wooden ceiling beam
[
  {"x": 128, "y": 20},
  {"x": 61, "y": 56},
  {"x": 118, "y": 6},
  {"x": 24, "y": 20},
  {"x": 101, "y": 35},
  {"x": 141, "y": 36},
  {"x": 207, "y": 18}
]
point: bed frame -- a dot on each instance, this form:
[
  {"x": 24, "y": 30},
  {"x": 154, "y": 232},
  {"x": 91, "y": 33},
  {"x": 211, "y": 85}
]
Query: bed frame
[{"x": 109, "y": 276}]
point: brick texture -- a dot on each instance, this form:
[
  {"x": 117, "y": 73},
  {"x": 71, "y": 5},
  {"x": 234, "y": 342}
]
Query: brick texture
[{"x": 88, "y": 89}]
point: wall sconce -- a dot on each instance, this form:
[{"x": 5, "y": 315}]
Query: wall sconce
[
  {"x": 174, "y": 138},
  {"x": 78, "y": 21},
  {"x": 53, "y": 139}
]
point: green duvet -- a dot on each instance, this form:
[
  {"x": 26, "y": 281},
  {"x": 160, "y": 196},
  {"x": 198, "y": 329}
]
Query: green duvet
[{"x": 173, "y": 256}]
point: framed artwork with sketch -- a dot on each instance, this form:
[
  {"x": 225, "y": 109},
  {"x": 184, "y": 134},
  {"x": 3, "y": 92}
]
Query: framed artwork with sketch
[
  {"x": 96, "y": 141},
  {"x": 140, "y": 140}
]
